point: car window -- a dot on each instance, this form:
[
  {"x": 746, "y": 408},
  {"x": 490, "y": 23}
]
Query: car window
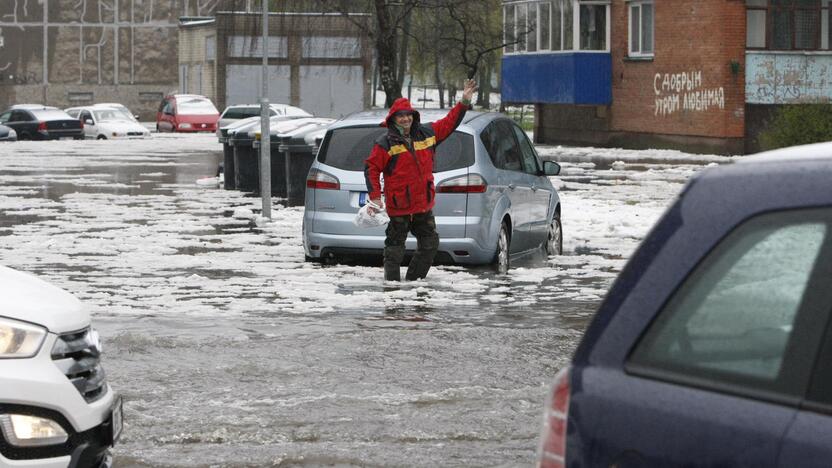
[
  {"x": 241, "y": 112},
  {"x": 530, "y": 162},
  {"x": 167, "y": 108},
  {"x": 748, "y": 314},
  {"x": 5, "y": 116},
  {"x": 20, "y": 116},
  {"x": 196, "y": 106},
  {"x": 501, "y": 146},
  {"x": 50, "y": 114},
  {"x": 347, "y": 148}
]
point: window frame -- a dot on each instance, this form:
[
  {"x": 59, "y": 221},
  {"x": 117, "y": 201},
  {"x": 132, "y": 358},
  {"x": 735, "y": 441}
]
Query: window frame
[
  {"x": 569, "y": 31},
  {"x": 639, "y": 5},
  {"x": 822, "y": 11},
  {"x": 803, "y": 346}
]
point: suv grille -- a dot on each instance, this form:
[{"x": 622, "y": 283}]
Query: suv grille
[{"x": 78, "y": 356}]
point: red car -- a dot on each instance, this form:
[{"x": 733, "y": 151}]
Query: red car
[{"x": 186, "y": 113}]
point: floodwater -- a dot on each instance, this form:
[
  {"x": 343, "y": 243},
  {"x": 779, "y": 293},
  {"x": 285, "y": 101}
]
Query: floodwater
[{"x": 231, "y": 350}]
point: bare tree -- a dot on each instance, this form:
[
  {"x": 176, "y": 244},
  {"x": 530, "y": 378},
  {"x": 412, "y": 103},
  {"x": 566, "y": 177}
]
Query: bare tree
[{"x": 390, "y": 17}]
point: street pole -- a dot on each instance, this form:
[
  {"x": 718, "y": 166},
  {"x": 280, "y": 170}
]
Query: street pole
[{"x": 265, "y": 127}]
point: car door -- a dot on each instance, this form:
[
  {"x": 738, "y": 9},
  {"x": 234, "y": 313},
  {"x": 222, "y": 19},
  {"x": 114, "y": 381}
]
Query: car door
[
  {"x": 167, "y": 121},
  {"x": 24, "y": 123},
  {"x": 541, "y": 191},
  {"x": 806, "y": 443},
  {"x": 721, "y": 371},
  {"x": 506, "y": 156},
  {"x": 90, "y": 124}
]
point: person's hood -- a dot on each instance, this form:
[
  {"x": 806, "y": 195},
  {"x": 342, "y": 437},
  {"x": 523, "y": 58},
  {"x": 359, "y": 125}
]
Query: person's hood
[{"x": 400, "y": 104}]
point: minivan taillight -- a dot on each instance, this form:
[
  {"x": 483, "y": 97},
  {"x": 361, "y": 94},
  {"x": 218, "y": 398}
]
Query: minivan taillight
[
  {"x": 552, "y": 453},
  {"x": 471, "y": 183},
  {"x": 321, "y": 180},
  {"x": 42, "y": 127}
]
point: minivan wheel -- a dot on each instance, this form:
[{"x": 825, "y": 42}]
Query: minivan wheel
[
  {"x": 501, "y": 258},
  {"x": 554, "y": 241},
  {"x": 101, "y": 137}
]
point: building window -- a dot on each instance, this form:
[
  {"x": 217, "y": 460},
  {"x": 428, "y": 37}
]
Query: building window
[
  {"x": 535, "y": 25},
  {"x": 593, "y": 25},
  {"x": 641, "y": 28},
  {"x": 183, "y": 78},
  {"x": 788, "y": 24},
  {"x": 210, "y": 48}
]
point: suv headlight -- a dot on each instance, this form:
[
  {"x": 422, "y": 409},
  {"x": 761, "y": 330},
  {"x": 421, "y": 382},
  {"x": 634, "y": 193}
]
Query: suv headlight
[
  {"x": 31, "y": 431},
  {"x": 19, "y": 339}
]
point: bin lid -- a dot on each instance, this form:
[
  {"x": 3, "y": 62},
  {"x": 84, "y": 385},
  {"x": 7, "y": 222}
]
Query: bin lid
[
  {"x": 250, "y": 124},
  {"x": 295, "y": 128}
]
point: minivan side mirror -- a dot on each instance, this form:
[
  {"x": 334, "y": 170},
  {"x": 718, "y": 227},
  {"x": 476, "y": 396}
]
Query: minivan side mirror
[{"x": 551, "y": 168}]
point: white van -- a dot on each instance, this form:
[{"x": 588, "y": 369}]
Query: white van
[{"x": 56, "y": 408}]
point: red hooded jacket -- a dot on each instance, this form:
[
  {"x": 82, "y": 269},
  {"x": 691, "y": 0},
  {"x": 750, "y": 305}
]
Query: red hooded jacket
[{"x": 408, "y": 167}]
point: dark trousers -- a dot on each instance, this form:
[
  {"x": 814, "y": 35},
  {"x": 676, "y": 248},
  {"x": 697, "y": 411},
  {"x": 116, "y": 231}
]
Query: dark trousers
[{"x": 423, "y": 227}]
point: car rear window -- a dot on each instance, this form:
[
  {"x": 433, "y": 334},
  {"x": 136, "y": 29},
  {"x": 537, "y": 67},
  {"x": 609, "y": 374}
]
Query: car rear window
[
  {"x": 241, "y": 113},
  {"x": 51, "y": 115},
  {"x": 347, "y": 148}
]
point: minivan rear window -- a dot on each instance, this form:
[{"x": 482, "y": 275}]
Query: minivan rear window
[{"x": 347, "y": 148}]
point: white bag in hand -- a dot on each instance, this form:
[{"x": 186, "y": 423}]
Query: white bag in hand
[{"x": 371, "y": 215}]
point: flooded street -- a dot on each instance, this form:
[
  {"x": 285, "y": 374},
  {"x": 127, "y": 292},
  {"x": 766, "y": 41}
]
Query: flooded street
[{"x": 231, "y": 350}]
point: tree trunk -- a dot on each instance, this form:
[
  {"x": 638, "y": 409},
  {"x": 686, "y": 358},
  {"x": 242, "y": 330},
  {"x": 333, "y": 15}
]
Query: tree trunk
[
  {"x": 403, "y": 47},
  {"x": 386, "y": 49},
  {"x": 484, "y": 94},
  {"x": 437, "y": 76}
]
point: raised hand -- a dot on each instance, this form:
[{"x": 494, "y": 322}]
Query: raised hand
[{"x": 469, "y": 89}]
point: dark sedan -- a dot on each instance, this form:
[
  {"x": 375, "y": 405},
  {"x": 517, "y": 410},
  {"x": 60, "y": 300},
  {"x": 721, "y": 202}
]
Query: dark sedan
[
  {"x": 713, "y": 347},
  {"x": 33, "y": 122},
  {"x": 7, "y": 133}
]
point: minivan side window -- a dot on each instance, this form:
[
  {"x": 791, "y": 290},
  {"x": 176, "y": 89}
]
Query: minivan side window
[
  {"x": 499, "y": 142},
  {"x": 530, "y": 164},
  {"x": 751, "y": 315}
]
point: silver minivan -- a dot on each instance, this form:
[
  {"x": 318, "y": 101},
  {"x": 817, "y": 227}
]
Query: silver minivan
[{"x": 494, "y": 199}]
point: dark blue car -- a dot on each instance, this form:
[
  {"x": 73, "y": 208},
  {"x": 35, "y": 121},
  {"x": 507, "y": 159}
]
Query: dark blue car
[{"x": 714, "y": 345}]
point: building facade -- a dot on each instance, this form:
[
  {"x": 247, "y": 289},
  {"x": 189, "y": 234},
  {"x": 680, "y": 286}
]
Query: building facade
[
  {"x": 317, "y": 61},
  {"x": 697, "y": 75},
  {"x": 75, "y": 52}
]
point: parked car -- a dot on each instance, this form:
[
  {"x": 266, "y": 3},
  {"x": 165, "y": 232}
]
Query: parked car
[
  {"x": 56, "y": 407},
  {"x": 494, "y": 200},
  {"x": 7, "y": 133},
  {"x": 133, "y": 117},
  {"x": 237, "y": 112},
  {"x": 102, "y": 123},
  {"x": 186, "y": 113},
  {"x": 37, "y": 122},
  {"x": 713, "y": 346}
]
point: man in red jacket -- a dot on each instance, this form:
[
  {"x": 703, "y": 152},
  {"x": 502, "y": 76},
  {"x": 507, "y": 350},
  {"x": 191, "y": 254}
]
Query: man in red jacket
[{"x": 405, "y": 156}]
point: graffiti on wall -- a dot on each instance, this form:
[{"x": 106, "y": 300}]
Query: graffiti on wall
[
  {"x": 685, "y": 92},
  {"x": 787, "y": 78}
]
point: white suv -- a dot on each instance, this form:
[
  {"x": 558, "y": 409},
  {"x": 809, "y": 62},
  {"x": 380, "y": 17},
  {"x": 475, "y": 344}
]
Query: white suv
[{"x": 56, "y": 408}]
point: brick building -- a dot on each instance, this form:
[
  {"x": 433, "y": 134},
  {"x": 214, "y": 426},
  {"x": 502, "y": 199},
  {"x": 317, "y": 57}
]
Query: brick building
[
  {"x": 75, "y": 52},
  {"x": 321, "y": 62},
  {"x": 698, "y": 75}
]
